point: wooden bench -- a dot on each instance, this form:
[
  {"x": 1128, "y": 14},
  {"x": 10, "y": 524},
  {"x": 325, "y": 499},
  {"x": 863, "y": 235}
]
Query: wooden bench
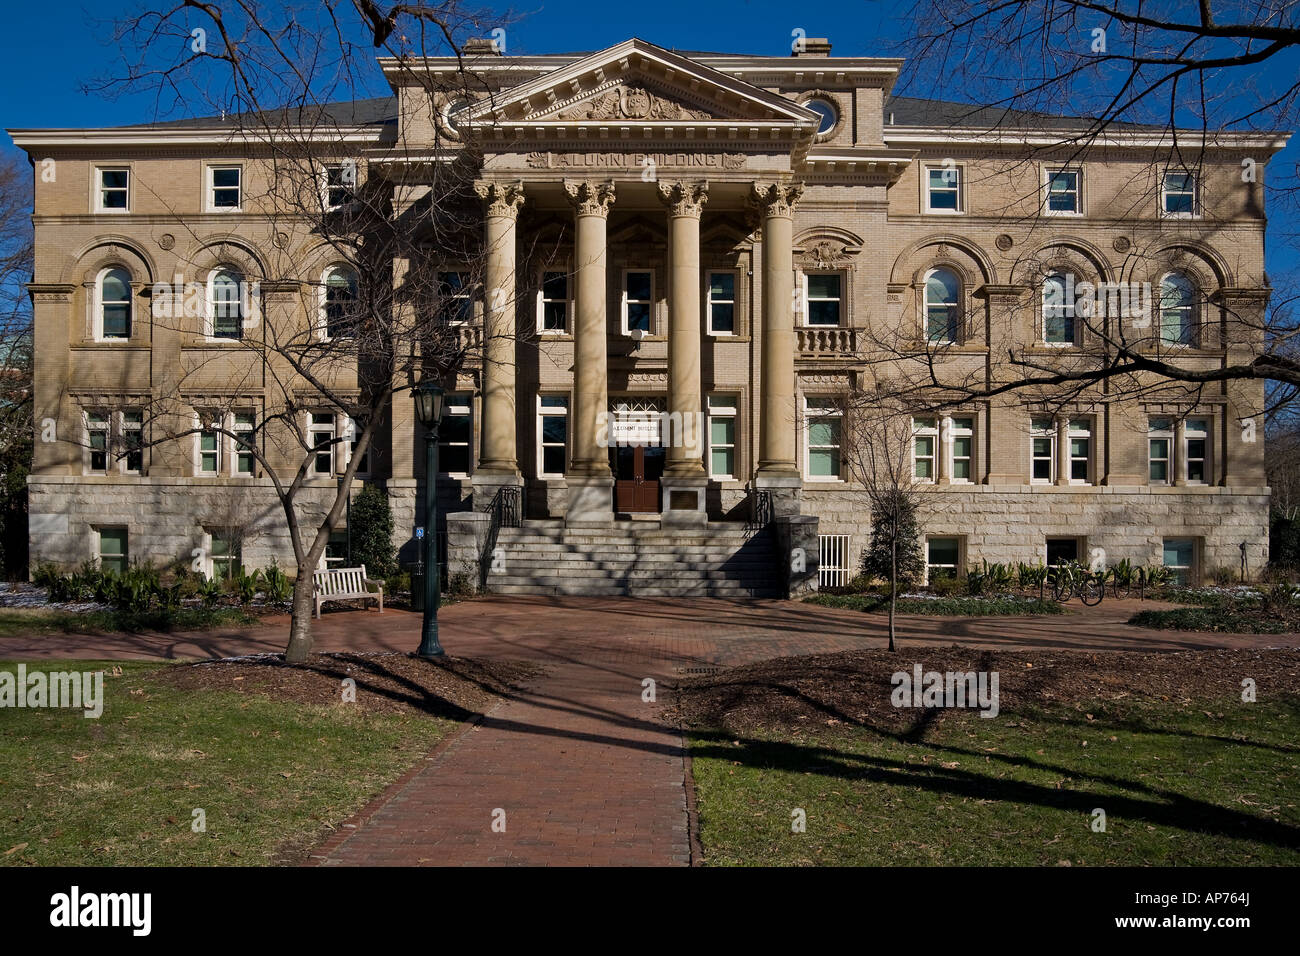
[{"x": 344, "y": 584}]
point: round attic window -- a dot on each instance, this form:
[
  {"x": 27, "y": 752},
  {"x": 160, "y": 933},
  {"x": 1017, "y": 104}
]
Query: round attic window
[{"x": 827, "y": 111}]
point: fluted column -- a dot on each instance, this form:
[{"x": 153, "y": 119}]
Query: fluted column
[
  {"x": 591, "y": 202},
  {"x": 776, "y": 455},
  {"x": 499, "y": 439},
  {"x": 685, "y": 202}
]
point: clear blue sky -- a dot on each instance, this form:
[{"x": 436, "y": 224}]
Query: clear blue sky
[{"x": 48, "y": 51}]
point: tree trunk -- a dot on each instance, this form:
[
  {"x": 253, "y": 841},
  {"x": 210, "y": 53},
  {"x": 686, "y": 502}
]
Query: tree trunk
[{"x": 300, "y": 641}]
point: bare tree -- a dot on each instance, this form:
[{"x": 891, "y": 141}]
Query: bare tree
[{"x": 16, "y": 258}]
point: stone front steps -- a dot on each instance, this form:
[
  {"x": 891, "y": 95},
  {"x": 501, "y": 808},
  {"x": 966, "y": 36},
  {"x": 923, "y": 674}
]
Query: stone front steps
[{"x": 636, "y": 559}]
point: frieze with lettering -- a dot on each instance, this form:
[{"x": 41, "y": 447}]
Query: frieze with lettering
[{"x": 635, "y": 161}]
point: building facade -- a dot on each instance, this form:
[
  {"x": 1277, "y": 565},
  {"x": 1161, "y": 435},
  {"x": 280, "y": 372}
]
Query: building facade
[{"x": 691, "y": 263}]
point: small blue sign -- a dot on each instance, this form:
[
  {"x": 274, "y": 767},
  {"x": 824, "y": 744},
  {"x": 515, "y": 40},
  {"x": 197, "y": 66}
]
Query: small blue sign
[{"x": 419, "y": 533}]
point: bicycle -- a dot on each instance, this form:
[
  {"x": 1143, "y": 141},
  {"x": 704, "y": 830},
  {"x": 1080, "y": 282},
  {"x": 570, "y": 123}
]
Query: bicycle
[{"x": 1074, "y": 580}]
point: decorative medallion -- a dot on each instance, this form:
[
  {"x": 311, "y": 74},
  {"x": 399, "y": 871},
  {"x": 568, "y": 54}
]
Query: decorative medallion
[
  {"x": 1121, "y": 244},
  {"x": 281, "y": 240},
  {"x": 1004, "y": 242},
  {"x": 166, "y": 241}
]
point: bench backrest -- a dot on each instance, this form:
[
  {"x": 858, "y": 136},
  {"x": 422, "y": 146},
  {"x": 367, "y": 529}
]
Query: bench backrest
[{"x": 340, "y": 581}]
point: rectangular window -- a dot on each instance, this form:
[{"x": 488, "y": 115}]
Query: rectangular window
[
  {"x": 1178, "y": 194},
  {"x": 454, "y": 436},
  {"x": 1179, "y": 555},
  {"x": 553, "y": 434},
  {"x": 1058, "y": 312},
  {"x": 925, "y": 441},
  {"x": 1062, "y": 550},
  {"x": 114, "y": 190},
  {"x": 963, "y": 444},
  {"x": 112, "y": 550},
  {"x": 722, "y": 303},
  {"x": 321, "y": 435},
  {"x": 209, "y": 452},
  {"x": 823, "y": 441},
  {"x": 722, "y": 436},
  {"x": 243, "y": 426},
  {"x": 1197, "y": 439},
  {"x": 1063, "y": 193},
  {"x": 224, "y": 188},
  {"x": 97, "y": 433},
  {"x": 1160, "y": 440},
  {"x": 942, "y": 557},
  {"x": 1080, "y": 450},
  {"x": 225, "y": 557},
  {"x": 455, "y": 298},
  {"x": 638, "y": 293},
  {"x": 133, "y": 441},
  {"x": 338, "y": 180},
  {"x": 943, "y": 189},
  {"x": 355, "y": 427},
  {"x": 822, "y": 292},
  {"x": 1042, "y": 441},
  {"x": 553, "y": 302}
]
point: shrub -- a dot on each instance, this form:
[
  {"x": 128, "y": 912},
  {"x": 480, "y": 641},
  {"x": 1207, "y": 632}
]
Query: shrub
[
  {"x": 876, "y": 559},
  {"x": 276, "y": 583},
  {"x": 1284, "y": 542},
  {"x": 210, "y": 592},
  {"x": 372, "y": 532},
  {"x": 946, "y": 585},
  {"x": 1030, "y": 575},
  {"x": 1224, "y": 575},
  {"x": 395, "y": 584}
]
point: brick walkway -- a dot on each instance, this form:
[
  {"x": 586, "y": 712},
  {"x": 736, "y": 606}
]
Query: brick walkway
[{"x": 584, "y": 770}]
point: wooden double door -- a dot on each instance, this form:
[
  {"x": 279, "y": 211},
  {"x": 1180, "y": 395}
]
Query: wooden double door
[{"x": 637, "y": 470}]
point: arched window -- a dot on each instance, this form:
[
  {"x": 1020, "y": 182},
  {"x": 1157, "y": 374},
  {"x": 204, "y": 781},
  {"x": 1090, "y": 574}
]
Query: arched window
[
  {"x": 1177, "y": 310},
  {"x": 226, "y": 308},
  {"x": 340, "y": 302},
  {"x": 942, "y": 305},
  {"x": 114, "y": 304},
  {"x": 1058, "y": 313}
]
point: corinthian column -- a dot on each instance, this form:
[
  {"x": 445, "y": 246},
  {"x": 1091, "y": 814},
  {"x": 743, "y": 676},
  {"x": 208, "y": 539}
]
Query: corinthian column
[
  {"x": 776, "y": 459},
  {"x": 590, "y": 482},
  {"x": 685, "y": 202},
  {"x": 499, "y": 445}
]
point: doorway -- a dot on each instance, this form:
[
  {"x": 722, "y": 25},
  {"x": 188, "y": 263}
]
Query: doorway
[{"x": 637, "y": 470}]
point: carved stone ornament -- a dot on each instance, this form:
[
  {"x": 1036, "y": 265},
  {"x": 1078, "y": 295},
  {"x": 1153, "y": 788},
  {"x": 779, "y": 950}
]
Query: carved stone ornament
[
  {"x": 1004, "y": 242},
  {"x": 631, "y": 102},
  {"x": 1122, "y": 244},
  {"x": 775, "y": 199},
  {"x": 166, "y": 241},
  {"x": 684, "y": 199},
  {"x": 588, "y": 198},
  {"x": 503, "y": 199},
  {"x": 824, "y": 254}
]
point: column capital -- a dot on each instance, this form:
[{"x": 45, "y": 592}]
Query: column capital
[
  {"x": 590, "y": 198},
  {"x": 684, "y": 199},
  {"x": 775, "y": 199},
  {"x": 503, "y": 199}
]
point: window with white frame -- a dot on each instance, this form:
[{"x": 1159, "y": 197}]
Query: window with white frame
[
  {"x": 353, "y": 429},
  {"x": 1080, "y": 437},
  {"x": 98, "y": 435},
  {"x": 925, "y": 448},
  {"x": 133, "y": 442},
  {"x": 942, "y": 557},
  {"x": 1042, "y": 450},
  {"x": 225, "y": 304},
  {"x": 1058, "y": 313},
  {"x": 944, "y": 189},
  {"x": 242, "y": 426},
  {"x": 113, "y": 304},
  {"x": 942, "y": 305},
  {"x": 112, "y": 549},
  {"x": 338, "y": 181},
  {"x": 1063, "y": 192},
  {"x": 822, "y": 440},
  {"x": 638, "y": 300},
  {"x": 1196, "y": 442},
  {"x": 454, "y": 436},
  {"x": 722, "y": 436},
  {"x": 1160, "y": 443},
  {"x": 823, "y": 295},
  {"x": 1178, "y": 194},
  {"x": 553, "y": 302},
  {"x": 552, "y": 435},
  {"x": 339, "y": 302},
  {"x": 321, "y": 432},
  {"x": 224, "y": 555},
  {"x": 1177, "y": 310},
  {"x": 112, "y": 189},
  {"x": 1179, "y": 556},
  {"x": 962, "y": 432},
  {"x": 225, "y": 188},
  {"x": 721, "y": 305},
  {"x": 455, "y": 298},
  {"x": 208, "y": 448}
]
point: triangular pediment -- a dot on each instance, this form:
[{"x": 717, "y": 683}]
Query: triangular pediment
[{"x": 636, "y": 82}]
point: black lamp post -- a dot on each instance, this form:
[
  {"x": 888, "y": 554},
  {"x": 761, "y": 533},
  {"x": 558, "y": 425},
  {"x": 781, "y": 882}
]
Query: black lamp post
[{"x": 428, "y": 411}]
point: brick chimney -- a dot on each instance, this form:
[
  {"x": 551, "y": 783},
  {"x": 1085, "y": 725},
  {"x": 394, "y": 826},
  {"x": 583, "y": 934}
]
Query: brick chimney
[{"x": 813, "y": 46}]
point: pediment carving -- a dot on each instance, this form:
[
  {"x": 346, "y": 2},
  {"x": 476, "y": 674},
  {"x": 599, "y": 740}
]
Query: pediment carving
[{"x": 632, "y": 101}]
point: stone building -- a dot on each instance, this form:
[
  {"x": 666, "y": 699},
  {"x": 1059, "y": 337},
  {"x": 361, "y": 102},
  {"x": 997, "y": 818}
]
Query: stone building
[{"x": 700, "y": 256}]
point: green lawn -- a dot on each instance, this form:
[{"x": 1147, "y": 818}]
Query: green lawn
[
  {"x": 21, "y": 621},
  {"x": 271, "y": 775},
  {"x": 1179, "y": 787}
]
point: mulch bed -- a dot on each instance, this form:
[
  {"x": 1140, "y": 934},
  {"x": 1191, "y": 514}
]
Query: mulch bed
[
  {"x": 854, "y": 687},
  {"x": 453, "y": 687}
]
